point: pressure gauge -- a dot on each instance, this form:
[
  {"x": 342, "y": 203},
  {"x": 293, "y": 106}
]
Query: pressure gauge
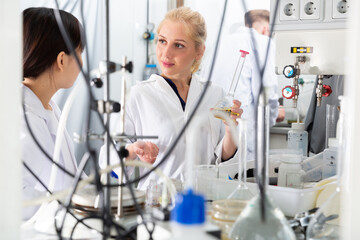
[
  {"x": 289, "y": 71},
  {"x": 288, "y": 92}
]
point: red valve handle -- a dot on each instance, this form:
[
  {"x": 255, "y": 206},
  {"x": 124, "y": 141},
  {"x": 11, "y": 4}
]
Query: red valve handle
[
  {"x": 288, "y": 92},
  {"x": 326, "y": 90}
]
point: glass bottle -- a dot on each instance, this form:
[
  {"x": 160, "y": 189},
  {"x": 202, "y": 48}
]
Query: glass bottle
[
  {"x": 298, "y": 138},
  {"x": 261, "y": 219},
  {"x": 224, "y": 105},
  {"x": 290, "y": 171}
]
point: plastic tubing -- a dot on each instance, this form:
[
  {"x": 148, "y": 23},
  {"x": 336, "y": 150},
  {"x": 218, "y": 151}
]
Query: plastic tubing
[
  {"x": 59, "y": 195},
  {"x": 60, "y": 135}
]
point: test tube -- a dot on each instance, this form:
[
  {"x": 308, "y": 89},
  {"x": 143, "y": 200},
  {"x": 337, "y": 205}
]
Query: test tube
[{"x": 237, "y": 73}]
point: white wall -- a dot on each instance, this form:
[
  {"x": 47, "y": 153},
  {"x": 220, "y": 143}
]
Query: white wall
[
  {"x": 10, "y": 170},
  {"x": 212, "y": 11}
]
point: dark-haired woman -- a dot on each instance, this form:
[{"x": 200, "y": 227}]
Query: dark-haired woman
[{"x": 48, "y": 65}]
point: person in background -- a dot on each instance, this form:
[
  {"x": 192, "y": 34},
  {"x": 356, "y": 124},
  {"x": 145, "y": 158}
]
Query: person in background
[
  {"x": 48, "y": 65},
  {"x": 161, "y": 105},
  {"x": 254, "y": 39},
  {"x": 258, "y": 19}
]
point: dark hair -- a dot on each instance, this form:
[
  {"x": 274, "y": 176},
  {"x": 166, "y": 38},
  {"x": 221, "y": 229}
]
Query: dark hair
[
  {"x": 255, "y": 16},
  {"x": 42, "y": 39}
]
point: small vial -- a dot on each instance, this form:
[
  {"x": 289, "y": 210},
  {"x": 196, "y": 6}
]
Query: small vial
[
  {"x": 298, "y": 138},
  {"x": 153, "y": 194}
]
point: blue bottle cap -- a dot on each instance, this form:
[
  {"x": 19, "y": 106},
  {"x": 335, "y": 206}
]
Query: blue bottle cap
[
  {"x": 150, "y": 65},
  {"x": 189, "y": 208}
]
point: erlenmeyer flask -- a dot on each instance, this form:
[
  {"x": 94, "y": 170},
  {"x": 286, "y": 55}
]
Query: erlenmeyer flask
[
  {"x": 250, "y": 225},
  {"x": 224, "y": 105},
  {"x": 242, "y": 191},
  {"x": 260, "y": 219}
]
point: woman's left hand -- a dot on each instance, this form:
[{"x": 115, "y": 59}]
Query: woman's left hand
[
  {"x": 229, "y": 146},
  {"x": 236, "y": 111}
]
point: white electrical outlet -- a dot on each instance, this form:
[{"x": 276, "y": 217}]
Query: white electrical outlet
[
  {"x": 310, "y": 9},
  {"x": 289, "y": 10},
  {"x": 340, "y": 8}
]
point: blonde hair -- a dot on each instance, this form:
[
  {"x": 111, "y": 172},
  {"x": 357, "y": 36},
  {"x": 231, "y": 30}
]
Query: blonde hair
[{"x": 195, "y": 27}]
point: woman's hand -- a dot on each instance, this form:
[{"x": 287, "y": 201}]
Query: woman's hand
[
  {"x": 146, "y": 151},
  {"x": 236, "y": 111},
  {"x": 229, "y": 147}
]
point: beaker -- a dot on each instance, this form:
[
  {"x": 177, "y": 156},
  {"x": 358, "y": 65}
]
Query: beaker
[
  {"x": 153, "y": 194},
  {"x": 224, "y": 105},
  {"x": 332, "y": 115},
  {"x": 290, "y": 172},
  {"x": 205, "y": 180},
  {"x": 224, "y": 214}
]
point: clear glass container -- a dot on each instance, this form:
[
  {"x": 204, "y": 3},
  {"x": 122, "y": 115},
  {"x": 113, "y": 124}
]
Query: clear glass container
[
  {"x": 224, "y": 105},
  {"x": 250, "y": 225},
  {"x": 153, "y": 194},
  {"x": 298, "y": 138},
  {"x": 224, "y": 214},
  {"x": 205, "y": 177},
  {"x": 332, "y": 115},
  {"x": 242, "y": 192},
  {"x": 290, "y": 172}
]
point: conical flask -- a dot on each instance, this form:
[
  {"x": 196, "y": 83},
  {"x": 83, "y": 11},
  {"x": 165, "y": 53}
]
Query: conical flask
[
  {"x": 326, "y": 222},
  {"x": 224, "y": 105},
  {"x": 242, "y": 192},
  {"x": 260, "y": 219}
]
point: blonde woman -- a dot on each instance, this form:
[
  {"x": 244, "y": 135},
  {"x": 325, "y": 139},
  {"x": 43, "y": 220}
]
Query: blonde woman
[{"x": 162, "y": 104}]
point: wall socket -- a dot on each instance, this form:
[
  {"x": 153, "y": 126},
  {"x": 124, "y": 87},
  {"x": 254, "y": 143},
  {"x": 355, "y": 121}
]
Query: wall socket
[
  {"x": 340, "y": 9},
  {"x": 310, "y": 9},
  {"x": 289, "y": 10}
]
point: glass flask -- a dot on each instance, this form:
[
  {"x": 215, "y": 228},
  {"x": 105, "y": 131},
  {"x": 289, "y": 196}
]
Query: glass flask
[
  {"x": 326, "y": 222},
  {"x": 224, "y": 105},
  {"x": 260, "y": 219},
  {"x": 224, "y": 214},
  {"x": 242, "y": 191},
  {"x": 250, "y": 225}
]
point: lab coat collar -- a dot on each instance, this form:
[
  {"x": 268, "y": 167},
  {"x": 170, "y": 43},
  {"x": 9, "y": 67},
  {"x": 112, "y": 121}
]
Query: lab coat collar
[
  {"x": 34, "y": 105},
  {"x": 195, "y": 87},
  {"x": 32, "y": 102}
]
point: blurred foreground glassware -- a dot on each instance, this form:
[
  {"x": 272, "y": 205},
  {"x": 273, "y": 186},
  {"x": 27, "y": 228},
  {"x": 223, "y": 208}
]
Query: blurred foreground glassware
[
  {"x": 242, "y": 191},
  {"x": 224, "y": 214},
  {"x": 224, "y": 105},
  {"x": 260, "y": 219},
  {"x": 250, "y": 225}
]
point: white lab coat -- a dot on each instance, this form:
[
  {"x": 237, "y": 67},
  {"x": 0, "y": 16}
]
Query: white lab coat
[
  {"x": 44, "y": 126},
  {"x": 249, "y": 83},
  {"x": 154, "y": 109}
]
